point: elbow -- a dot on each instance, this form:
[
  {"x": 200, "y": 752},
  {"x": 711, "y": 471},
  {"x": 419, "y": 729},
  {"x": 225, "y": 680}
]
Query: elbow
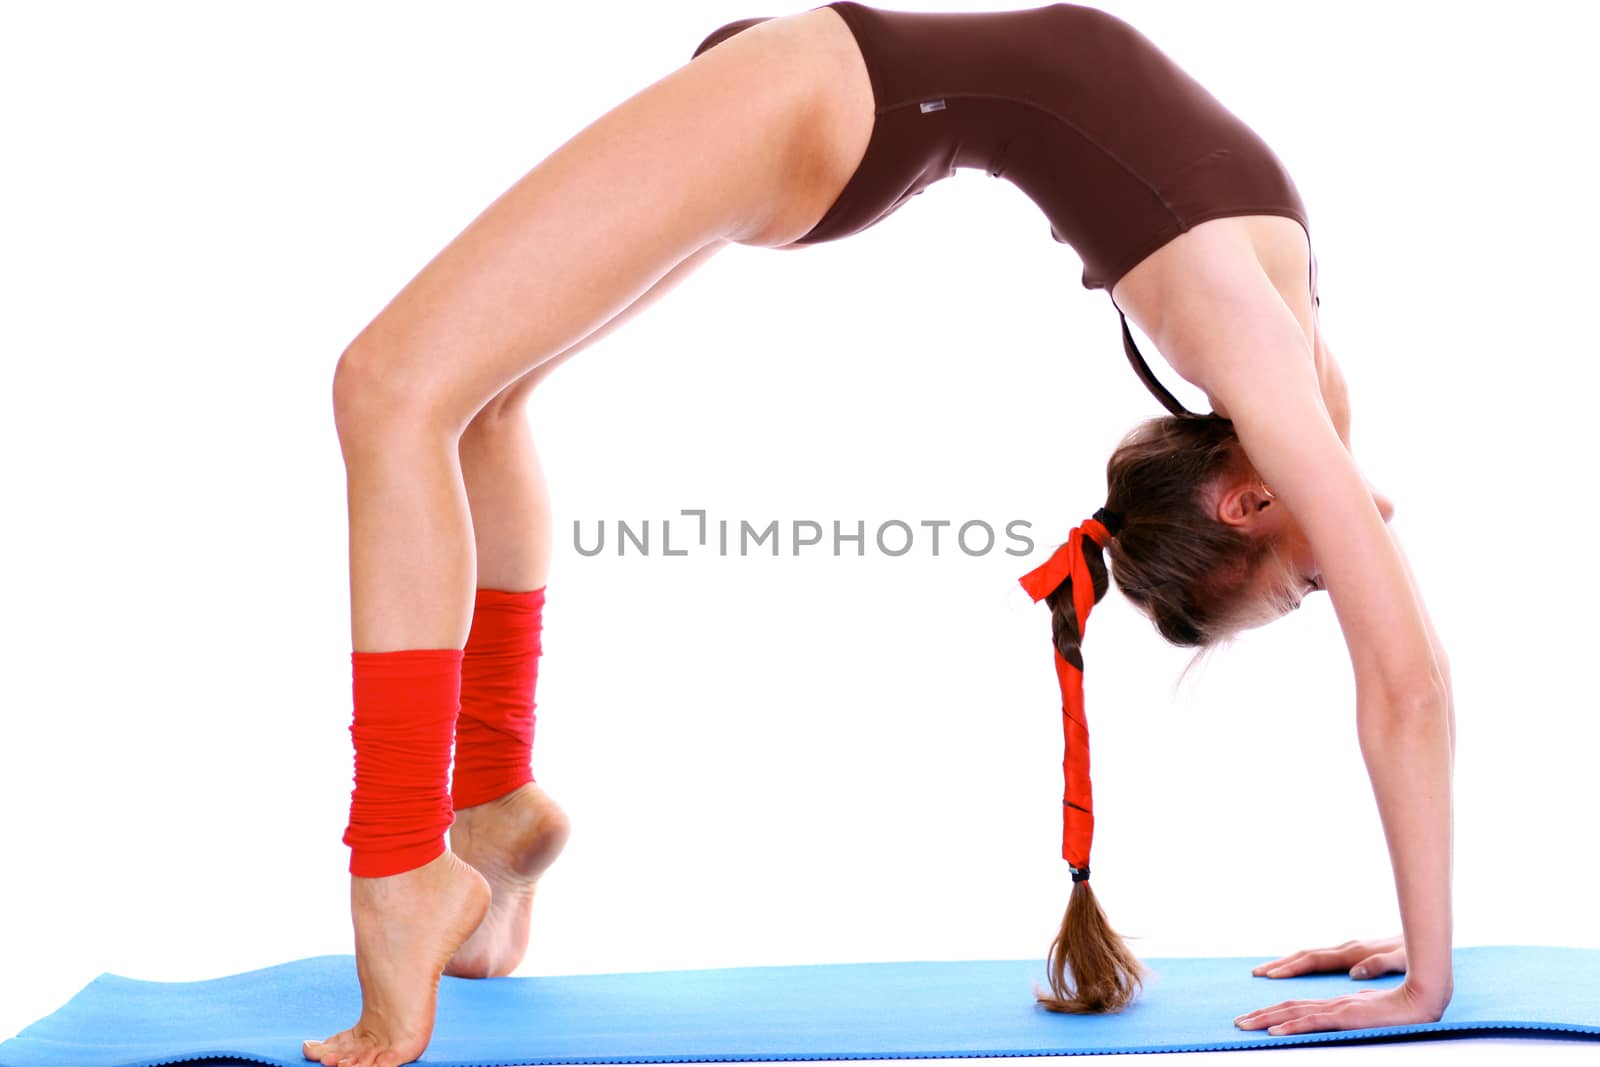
[
  {"x": 1415, "y": 695},
  {"x": 1403, "y": 712},
  {"x": 1410, "y": 687}
]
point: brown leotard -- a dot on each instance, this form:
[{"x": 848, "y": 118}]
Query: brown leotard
[{"x": 1118, "y": 146}]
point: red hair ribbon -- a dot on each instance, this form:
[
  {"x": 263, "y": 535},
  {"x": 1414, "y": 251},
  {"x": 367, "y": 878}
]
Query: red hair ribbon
[{"x": 1077, "y": 803}]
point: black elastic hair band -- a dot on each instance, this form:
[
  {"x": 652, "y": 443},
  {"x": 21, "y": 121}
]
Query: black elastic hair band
[{"x": 1110, "y": 520}]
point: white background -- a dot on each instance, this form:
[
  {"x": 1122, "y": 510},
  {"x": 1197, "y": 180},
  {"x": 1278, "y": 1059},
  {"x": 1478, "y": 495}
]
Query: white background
[{"x": 792, "y": 760}]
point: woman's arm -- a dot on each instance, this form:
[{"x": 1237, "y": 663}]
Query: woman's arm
[
  {"x": 1232, "y": 335},
  {"x": 1336, "y": 398},
  {"x": 1330, "y": 381},
  {"x": 1370, "y": 959}
]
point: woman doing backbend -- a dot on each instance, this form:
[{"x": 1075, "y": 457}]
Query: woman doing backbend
[{"x": 784, "y": 132}]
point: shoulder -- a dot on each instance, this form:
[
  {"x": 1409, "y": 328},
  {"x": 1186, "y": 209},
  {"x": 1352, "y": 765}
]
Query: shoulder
[{"x": 1223, "y": 287}]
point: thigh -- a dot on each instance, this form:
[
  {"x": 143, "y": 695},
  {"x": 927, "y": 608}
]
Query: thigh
[
  {"x": 698, "y": 158},
  {"x": 510, "y": 400}
]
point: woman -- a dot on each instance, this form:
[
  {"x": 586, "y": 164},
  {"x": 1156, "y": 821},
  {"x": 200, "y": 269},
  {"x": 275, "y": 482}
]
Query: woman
[{"x": 780, "y": 133}]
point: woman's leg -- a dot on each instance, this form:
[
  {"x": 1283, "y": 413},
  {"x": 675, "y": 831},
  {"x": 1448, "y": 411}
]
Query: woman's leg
[
  {"x": 513, "y": 838},
  {"x": 505, "y": 484},
  {"x": 706, "y": 154}
]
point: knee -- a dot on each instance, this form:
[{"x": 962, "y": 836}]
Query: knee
[{"x": 373, "y": 396}]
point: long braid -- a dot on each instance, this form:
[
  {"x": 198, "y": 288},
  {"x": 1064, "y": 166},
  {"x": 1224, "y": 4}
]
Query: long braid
[{"x": 1105, "y": 973}]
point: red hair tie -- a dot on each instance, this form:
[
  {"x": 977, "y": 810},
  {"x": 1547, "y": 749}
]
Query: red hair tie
[{"x": 1077, "y": 802}]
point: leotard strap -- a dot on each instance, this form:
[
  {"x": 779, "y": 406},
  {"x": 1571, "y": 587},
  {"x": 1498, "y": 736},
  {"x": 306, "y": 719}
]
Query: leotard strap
[{"x": 1142, "y": 369}]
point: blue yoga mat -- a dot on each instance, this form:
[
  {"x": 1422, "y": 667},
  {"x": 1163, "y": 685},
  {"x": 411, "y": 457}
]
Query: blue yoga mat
[{"x": 815, "y": 1012}]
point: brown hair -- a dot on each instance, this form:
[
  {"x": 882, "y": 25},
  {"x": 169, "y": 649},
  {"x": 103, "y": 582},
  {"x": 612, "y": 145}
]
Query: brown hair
[
  {"x": 1179, "y": 565},
  {"x": 1187, "y": 572}
]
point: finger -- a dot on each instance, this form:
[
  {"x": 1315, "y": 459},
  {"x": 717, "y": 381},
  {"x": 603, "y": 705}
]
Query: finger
[
  {"x": 1309, "y": 1023},
  {"x": 1345, "y": 1013},
  {"x": 1291, "y": 960},
  {"x": 1308, "y": 962},
  {"x": 1261, "y": 1017},
  {"x": 1380, "y": 963}
]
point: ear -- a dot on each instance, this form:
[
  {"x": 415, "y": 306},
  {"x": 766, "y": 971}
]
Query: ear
[{"x": 1246, "y": 507}]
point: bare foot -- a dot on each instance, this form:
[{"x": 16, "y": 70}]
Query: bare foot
[
  {"x": 510, "y": 840},
  {"x": 407, "y": 927}
]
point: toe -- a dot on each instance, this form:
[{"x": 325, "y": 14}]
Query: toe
[
  {"x": 332, "y": 1052},
  {"x": 322, "y": 1052}
]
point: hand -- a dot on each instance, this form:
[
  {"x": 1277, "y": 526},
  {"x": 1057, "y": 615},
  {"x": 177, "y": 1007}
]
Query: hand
[
  {"x": 1400, "y": 1006},
  {"x": 1363, "y": 959}
]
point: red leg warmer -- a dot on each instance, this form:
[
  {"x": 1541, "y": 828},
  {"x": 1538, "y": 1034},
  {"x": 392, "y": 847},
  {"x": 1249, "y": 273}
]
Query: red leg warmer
[
  {"x": 405, "y": 712},
  {"x": 500, "y": 668}
]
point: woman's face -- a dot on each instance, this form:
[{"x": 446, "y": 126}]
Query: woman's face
[
  {"x": 1300, "y": 575},
  {"x": 1288, "y": 577}
]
